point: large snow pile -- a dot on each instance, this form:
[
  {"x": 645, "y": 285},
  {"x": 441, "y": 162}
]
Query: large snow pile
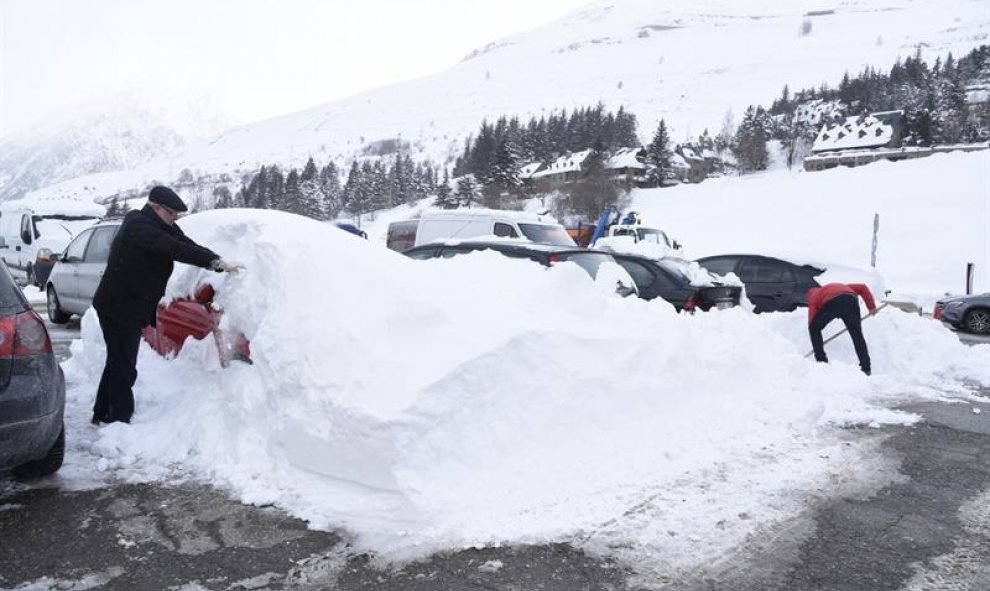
[{"x": 429, "y": 405}]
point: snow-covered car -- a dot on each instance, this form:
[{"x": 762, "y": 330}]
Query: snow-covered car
[
  {"x": 968, "y": 313},
  {"x": 545, "y": 254},
  {"x": 194, "y": 317},
  {"x": 680, "y": 282},
  {"x": 782, "y": 284},
  {"x": 32, "y": 388}
]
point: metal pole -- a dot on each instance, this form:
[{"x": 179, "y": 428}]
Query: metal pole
[
  {"x": 876, "y": 230},
  {"x": 970, "y": 273}
]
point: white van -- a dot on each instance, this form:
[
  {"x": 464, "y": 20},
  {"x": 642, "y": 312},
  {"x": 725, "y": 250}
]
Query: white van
[
  {"x": 475, "y": 223},
  {"x": 32, "y": 230}
]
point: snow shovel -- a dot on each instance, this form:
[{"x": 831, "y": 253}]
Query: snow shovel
[{"x": 845, "y": 330}]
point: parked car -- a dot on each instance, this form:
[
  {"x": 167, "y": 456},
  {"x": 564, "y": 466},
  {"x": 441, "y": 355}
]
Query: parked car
[
  {"x": 31, "y": 231},
  {"x": 199, "y": 318},
  {"x": 671, "y": 279},
  {"x": 32, "y": 388},
  {"x": 78, "y": 270},
  {"x": 772, "y": 285},
  {"x": 401, "y": 235},
  {"x": 545, "y": 254},
  {"x": 968, "y": 313}
]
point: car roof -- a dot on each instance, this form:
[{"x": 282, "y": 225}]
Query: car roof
[
  {"x": 784, "y": 258},
  {"x": 509, "y": 243}
]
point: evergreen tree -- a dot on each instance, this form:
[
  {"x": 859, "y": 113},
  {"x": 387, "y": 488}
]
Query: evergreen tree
[
  {"x": 113, "y": 210},
  {"x": 292, "y": 196},
  {"x": 466, "y": 191},
  {"x": 750, "y": 145},
  {"x": 659, "y": 156},
  {"x": 503, "y": 177},
  {"x": 332, "y": 191},
  {"x": 445, "y": 197},
  {"x": 222, "y": 198}
]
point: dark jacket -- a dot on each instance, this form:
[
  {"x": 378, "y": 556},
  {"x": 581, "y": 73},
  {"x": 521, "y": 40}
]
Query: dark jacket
[{"x": 141, "y": 260}]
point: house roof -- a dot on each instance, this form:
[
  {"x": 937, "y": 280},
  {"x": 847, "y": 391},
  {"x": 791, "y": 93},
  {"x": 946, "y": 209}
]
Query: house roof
[
  {"x": 817, "y": 111},
  {"x": 527, "y": 171},
  {"x": 626, "y": 158},
  {"x": 866, "y": 131},
  {"x": 564, "y": 164}
]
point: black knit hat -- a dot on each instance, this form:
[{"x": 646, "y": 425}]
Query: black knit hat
[{"x": 167, "y": 198}]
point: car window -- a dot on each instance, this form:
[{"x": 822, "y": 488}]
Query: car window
[
  {"x": 98, "y": 250},
  {"x": 642, "y": 276},
  {"x": 452, "y": 251},
  {"x": 77, "y": 248},
  {"x": 719, "y": 265},
  {"x": 787, "y": 275},
  {"x": 11, "y": 296},
  {"x": 505, "y": 230},
  {"x": 761, "y": 270},
  {"x": 589, "y": 261},
  {"x": 547, "y": 234}
]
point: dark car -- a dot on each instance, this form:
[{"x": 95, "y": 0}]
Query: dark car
[
  {"x": 545, "y": 254},
  {"x": 969, "y": 313},
  {"x": 772, "y": 285},
  {"x": 670, "y": 279},
  {"x": 32, "y": 388}
]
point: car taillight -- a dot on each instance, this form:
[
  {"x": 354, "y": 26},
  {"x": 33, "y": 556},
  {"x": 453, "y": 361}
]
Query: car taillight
[
  {"x": 691, "y": 303},
  {"x": 554, "y": 258},
  {"x": 938, "y": 312},
  {"x": 23, "y": 335}
]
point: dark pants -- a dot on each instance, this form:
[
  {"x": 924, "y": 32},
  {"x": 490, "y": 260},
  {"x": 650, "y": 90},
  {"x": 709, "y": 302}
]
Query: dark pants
[
  {"x": 846, "y": 308},
  {"x": 114, "y": 399}
]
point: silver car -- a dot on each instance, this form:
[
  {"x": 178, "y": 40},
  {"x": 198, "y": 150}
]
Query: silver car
[{"x": 78, "y": 271}]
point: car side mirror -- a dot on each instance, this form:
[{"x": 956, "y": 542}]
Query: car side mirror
[{"x": 677, "y": 245}]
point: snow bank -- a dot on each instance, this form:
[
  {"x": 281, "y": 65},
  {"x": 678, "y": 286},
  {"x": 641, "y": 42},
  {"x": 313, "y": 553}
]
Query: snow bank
[{"x": 442, "y": 404}]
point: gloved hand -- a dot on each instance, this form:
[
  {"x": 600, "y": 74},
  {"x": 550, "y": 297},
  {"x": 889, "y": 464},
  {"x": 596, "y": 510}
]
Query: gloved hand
[{"x": 222, "y": 266}]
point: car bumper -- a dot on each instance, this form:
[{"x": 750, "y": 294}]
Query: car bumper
[
  {"x": 30, "y": 439},
  {"x": 953, "y": 317}
]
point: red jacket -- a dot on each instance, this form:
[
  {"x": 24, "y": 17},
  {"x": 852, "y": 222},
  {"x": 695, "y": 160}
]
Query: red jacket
[{"x": 819, "y": 296}]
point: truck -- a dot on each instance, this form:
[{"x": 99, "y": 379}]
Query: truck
[
  {"x": 476, "y": 223},
  {"x": 31, "y": 230},
  {"x": 612, "y": 224}
]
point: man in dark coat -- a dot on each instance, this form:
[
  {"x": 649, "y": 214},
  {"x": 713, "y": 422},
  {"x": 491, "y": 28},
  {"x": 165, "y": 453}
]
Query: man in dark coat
[
  {"x": 141, "y": 260},
  {"x": 839, "y": 300}
]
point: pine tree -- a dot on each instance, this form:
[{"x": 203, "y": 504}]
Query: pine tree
[
  {"x": 750, "y": 145},
  {"x": 292, "y": 200},
  {"x": 595, "y": 191},
  {"x": 332, "y": 191},
  {"x": 445, "y": 198},
  {"x": 659, "y": 156},
  {"x": 113, "y": 210},
  {"x": 502, "y": 180},
  {"x": 466, "y": 192}
]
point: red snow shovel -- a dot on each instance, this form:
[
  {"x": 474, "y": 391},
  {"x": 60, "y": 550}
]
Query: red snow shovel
[{"x": 845, "y": 330}]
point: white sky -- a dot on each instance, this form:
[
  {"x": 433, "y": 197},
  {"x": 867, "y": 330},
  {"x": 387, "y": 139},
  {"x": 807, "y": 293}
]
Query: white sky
[{"x": 250, "y": 59}]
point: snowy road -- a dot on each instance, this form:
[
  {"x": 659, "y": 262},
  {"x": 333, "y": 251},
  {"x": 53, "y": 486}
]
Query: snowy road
[{"x": 923, "y": 532}]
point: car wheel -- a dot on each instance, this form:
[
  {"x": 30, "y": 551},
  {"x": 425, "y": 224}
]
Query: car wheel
[
  {"x": 977, "y": 321},
  {"x": 46, "y": 465},
  {"x": 55, "y": 312}
]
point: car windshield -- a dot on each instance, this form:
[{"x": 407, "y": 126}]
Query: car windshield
[
  {"x": 653, "y": 236},
  {"x": 547, "y": 234},
  {"x": 589, "y": 261}
]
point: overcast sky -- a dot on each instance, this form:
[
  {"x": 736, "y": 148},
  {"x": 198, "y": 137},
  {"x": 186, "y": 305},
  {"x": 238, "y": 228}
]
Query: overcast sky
[{"x": 249, "y": 59}]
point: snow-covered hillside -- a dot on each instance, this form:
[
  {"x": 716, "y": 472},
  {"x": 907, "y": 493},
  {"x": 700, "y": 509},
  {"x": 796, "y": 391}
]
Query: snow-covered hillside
[
  {"x": 113, "y": 137},
  {"x": 688, "y": 61}
]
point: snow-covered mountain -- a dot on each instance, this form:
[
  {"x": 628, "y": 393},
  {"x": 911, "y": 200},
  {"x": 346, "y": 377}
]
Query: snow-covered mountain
[
  {"x": 687, "y": 61},
  {"x": 118, "y": 136}
]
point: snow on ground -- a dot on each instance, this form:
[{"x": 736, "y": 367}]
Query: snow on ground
[{"x": 432, "y": 405}]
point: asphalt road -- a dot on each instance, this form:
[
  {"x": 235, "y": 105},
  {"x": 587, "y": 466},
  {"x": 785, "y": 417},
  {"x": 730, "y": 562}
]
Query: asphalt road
[{"x": 927, "y": 531}]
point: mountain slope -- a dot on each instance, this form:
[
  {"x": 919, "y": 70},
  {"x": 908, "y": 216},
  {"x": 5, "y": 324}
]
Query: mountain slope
[{"x": 688, "y": 61}]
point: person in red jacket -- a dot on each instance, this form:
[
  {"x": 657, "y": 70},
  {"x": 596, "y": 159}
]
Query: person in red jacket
[{"x": 839, "y": 300}]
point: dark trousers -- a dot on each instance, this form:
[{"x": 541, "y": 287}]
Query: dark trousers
[
  {"x": 846, "y": 308},
  {"x": 114, "y": 398}
]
